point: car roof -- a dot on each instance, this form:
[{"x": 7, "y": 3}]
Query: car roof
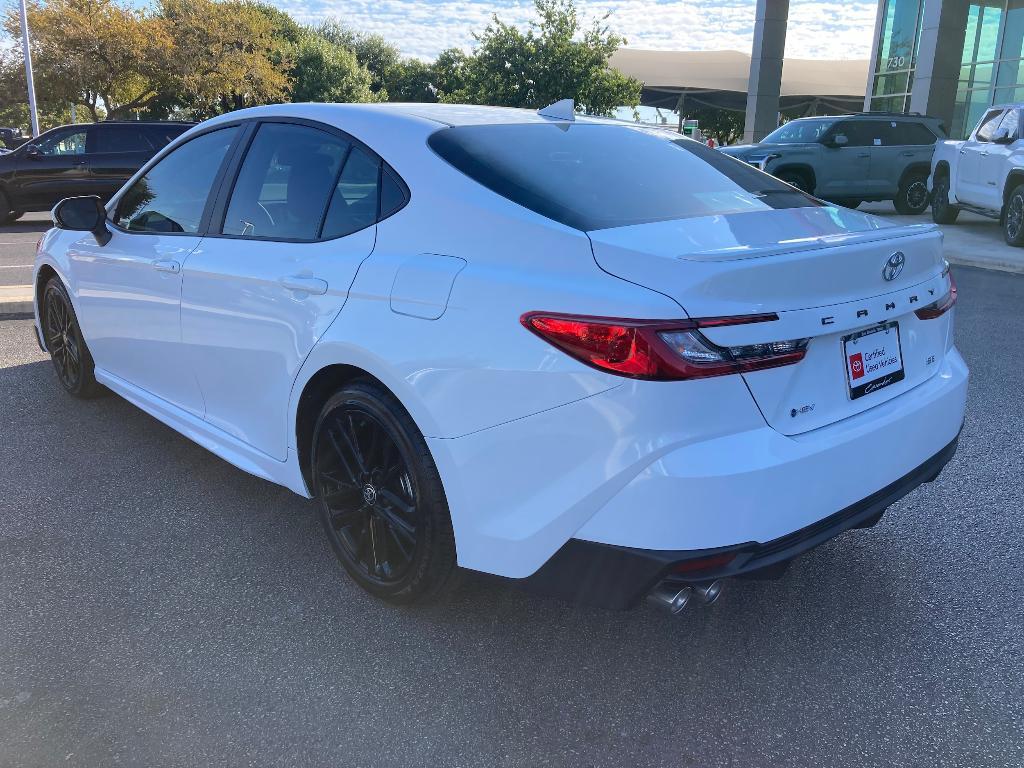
[{"x": 439, "y": 114}]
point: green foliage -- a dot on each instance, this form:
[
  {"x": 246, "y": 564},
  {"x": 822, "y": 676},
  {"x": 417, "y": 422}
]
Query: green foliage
[
  {"x": 198, "y": 58},
  {"x": 557, "y": 58},
  {"x": 375, "y": 53},
  {"x": 725, "y": 125},
  {"x": 325, "y": 71}
]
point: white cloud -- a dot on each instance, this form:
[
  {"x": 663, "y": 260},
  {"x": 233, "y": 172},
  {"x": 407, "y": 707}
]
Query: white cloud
[{"x": 833, "y": 29}]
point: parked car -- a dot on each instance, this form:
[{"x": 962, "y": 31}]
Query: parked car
[
  {"x": 870, "y": 156},
  {"x": 82, "y": 159},
  {"x": 11, "y": 138},
  {"x": 514, "y": 342},
  {"x": 984, "y": 174}
]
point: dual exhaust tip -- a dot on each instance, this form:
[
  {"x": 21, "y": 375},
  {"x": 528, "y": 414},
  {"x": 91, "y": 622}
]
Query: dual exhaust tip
[{"x": 675, "y": 598}]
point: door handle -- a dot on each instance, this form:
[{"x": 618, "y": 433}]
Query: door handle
[
  {"x": 167, "y": 265},
  {"x": 305, "y": 284},
  {"x": 985, "y": 153},
  {"x": 963, "y": 151},
  {"x": 864, "y": 154},
  {"x": 906, "y": 154}
]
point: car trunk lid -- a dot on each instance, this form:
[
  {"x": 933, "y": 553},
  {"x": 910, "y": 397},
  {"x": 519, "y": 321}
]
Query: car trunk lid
[{"x": 820, "y": 270}]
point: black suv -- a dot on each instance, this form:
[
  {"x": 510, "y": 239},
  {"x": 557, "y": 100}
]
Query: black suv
[
  {"x": 82, "y": 159},
  {"x": 850, "y": 159}
]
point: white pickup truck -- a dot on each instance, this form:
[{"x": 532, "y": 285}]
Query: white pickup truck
[{"x": 984, "y": 174}]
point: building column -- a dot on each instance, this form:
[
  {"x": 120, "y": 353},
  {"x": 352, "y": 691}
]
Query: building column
[
  {"x": 938, "y": 58},
  {"x": 873, "y": 61},
  {"x": 765, "y": 83}
]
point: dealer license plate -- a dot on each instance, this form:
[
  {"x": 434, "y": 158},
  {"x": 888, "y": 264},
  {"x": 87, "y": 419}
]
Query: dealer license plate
[{"x": 873, "y": 359}]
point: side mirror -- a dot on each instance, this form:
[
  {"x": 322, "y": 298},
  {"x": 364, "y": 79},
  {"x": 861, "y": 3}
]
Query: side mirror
[
  {"x": 83, "y": 214},
  {"x": 840, "y": 140},
  {"x": 33, "y": 151}
]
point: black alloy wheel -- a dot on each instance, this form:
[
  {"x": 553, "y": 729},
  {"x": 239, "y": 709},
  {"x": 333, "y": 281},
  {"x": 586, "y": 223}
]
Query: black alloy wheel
[
  {"x": 942, "y": 211},
  {"x": 381, "y": 500},
  {"x": 912, "y": 198},
  {"x": 68, "y": 350},
  {"x": 1013, "y": 218}
]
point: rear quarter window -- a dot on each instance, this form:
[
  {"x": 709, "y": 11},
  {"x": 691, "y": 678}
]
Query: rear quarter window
[{"x": 596, "y": 176}]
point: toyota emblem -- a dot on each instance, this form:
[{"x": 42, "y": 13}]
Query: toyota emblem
[{"x": 894, "y": 266}]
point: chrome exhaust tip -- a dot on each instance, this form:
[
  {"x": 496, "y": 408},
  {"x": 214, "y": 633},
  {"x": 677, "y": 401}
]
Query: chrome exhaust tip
[
  {"x": 709, "y": 592},
  {"x": 671, "y": 599}
]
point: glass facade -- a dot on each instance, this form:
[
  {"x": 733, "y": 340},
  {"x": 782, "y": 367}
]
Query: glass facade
[
  {"x": 992, "y": 60},
  {"x": 897, "y": 55}
]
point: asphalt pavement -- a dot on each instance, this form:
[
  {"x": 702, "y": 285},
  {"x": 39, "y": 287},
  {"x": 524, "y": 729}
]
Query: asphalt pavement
[
  {"x": 18, "y": 247},
  {"x": 160, "y": 608}
]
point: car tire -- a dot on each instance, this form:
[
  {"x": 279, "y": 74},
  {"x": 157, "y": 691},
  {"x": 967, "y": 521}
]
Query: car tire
[
  {"x": 381, "y": 500},
  {"x": 847, "y": 202},
  {"x": 796, "y": 179},
  {"x": 1013, "y": 218},
  {"x": 942, "y": 211},
  {"x": 7, "y": 214},
  {"x": 68, "y": 350},
  {"x": 912, "y": 197}
]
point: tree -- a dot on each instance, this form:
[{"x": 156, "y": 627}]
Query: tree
[
  {"x": 323, "y": 71},
  {"x": 380, "y": 57},
  {"x": 555, "y": 59},
  {"x": 95, "y": 53},
  {"x": 226, "y": 53},
  {"x": 412, "y": 80},
  {"x": 725, "y": 125}
]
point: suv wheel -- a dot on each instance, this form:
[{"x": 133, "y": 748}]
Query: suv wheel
[
  {"x": 942, "y": 211},
  {"x": 912, "y": 198},
  {"x": 797, "y": 179},
  {"x": 1013, "y": 218},
  {"x": 7, "y": 214},
  {"x": 382, "y": 504}
]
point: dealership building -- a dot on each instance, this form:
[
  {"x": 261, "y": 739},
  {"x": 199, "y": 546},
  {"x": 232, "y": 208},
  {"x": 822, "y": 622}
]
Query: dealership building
[{"x": 948, "y": 58}]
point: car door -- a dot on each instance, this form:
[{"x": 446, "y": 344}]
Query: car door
[
  {"x": 129, "y": 290},
  {"x": 968, "y": 186},
  {"x": 299, "y": 219},
  {"x": 903, "y": 144},
  {"x": 114, "y": 153},
  {"x": 846, "y": 167},
  {"x": 50, "y": 168},
  {"x": 993, "y": 162}
]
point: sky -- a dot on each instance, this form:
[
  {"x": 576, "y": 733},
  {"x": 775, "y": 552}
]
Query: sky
[{"x": 818, "y": 29}]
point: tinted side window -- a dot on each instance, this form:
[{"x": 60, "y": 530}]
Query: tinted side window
[
  {"x": 392, "y": 196},
  {"x": 162, "y": 135},
  {"x": 864, "y": 133},
  {"x": 913, "y": 134},
  {"x": 988, "y": 124},
  {"x": 284, "y": 183},
  {"x": 354, "y": 204},
  {"x": 173, "y": 193},
  {"x": 118, "y": 138},
  {"x": 68, "y": 142}
]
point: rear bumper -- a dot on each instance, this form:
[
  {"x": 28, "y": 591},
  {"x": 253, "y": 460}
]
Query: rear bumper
[{"x": 617, "y": 577}]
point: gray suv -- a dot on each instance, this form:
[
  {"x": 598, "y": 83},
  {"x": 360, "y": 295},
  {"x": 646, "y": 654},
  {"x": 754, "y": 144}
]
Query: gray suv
[{"x": 853, "y": 158}]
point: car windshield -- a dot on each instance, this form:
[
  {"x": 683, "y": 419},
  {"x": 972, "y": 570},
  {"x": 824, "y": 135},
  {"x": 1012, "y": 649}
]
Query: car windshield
[
  {"x": 596, "y": 176},
  {"x": 798, "y": 132}
]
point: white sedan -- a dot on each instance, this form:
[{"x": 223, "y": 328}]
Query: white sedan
[{"x": 601, "y": 359}]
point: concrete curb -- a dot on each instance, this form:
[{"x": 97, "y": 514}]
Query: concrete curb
[
  {"x": 16, "y": 300},
  {"x": 999, "y": 265}
]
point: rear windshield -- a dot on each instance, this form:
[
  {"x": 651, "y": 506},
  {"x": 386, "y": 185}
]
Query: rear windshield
[{"x": 596, "y": 176}]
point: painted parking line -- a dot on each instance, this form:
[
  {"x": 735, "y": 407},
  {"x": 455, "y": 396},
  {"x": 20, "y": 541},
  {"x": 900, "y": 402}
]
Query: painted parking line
[{"x": 14, "y": 266}]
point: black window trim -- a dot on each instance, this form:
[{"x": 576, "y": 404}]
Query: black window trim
[
  {"x": 218, "y": 179},
  {"x": 227, "y": 184}
]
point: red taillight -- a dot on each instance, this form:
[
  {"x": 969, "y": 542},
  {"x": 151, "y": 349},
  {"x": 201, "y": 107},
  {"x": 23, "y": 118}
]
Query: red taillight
[
  {"x": 940, "y": 307},
  {"x": 660, "y": 350}
]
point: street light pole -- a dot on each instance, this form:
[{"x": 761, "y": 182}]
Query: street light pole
[{"x": 29, "y": 82}]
